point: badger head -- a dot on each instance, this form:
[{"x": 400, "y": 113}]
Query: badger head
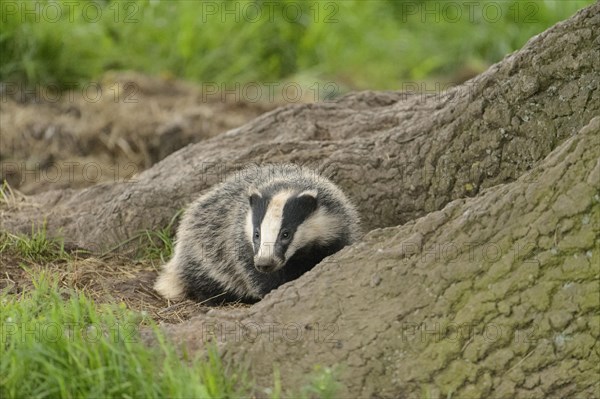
[{"x": 280, "y": 223}]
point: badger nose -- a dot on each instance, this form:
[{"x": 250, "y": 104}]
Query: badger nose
[
  {"x": 264, "y": 266},
  {"x": 265, "y": 269}
]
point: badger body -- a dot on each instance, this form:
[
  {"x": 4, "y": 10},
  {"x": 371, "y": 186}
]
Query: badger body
[{"x": 259, "y": 229}]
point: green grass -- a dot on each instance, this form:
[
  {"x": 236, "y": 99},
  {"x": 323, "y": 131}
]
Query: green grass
[
  {"x": 323, "y": 384},
  {"x": 159, "y": 244},
  {"x": 37, "y": 247},
  {"x": 150, "y": 244},
  {"x": 57, "y": 343},
  {"x": 374, "y": 44}
]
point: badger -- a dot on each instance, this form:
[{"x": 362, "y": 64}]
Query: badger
[{"x": 258, "y": 229}]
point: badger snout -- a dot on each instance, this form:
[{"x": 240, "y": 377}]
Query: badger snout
[
  {"x": 265, "y": 268},
  {"x": 267, "y": 265},
  {"x": 266, "y": 259}
]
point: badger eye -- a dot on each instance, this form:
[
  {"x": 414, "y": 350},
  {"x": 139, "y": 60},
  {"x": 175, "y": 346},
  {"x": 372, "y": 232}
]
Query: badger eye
[
  {"x": 257, "y": 235},
  {"x": 285, "y": 234}
]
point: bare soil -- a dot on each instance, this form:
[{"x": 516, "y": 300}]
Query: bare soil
[{"x": 107, "y": 131}]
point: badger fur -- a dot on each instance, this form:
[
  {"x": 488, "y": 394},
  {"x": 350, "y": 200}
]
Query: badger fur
[{"x": 259, "y": 229}]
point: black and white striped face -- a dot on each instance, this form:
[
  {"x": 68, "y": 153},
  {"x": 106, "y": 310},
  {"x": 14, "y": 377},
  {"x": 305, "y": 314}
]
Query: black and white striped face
[{"x": 279, "y": 224}]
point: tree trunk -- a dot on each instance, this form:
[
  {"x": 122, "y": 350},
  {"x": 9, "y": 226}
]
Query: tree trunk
[
  {"x": 398, "y": 155},
  {"x": 494, "y": 296}
]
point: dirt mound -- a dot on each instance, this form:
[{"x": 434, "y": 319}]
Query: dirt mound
[{"x": 107, "y": 131}]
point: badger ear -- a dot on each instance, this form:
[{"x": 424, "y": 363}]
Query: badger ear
[
  {"x": 309, "y": 193},
  {"x": 308, "y": 200},
  {"x": 253, "y": 196}
]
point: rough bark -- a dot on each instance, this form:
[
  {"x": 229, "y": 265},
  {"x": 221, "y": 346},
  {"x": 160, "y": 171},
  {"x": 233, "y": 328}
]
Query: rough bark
[
  {"x": 400, "y": 156},
  {"x": 493, "y": 296}
]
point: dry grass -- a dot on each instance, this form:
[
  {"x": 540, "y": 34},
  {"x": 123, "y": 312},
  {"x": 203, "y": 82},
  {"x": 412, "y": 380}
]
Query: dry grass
[
  {"x": 112, "y": 279},
  {"x": 69, "y": 141}
]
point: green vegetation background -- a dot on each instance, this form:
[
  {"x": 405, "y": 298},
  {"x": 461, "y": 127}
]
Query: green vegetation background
[{"x": 375, "y": 44}]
